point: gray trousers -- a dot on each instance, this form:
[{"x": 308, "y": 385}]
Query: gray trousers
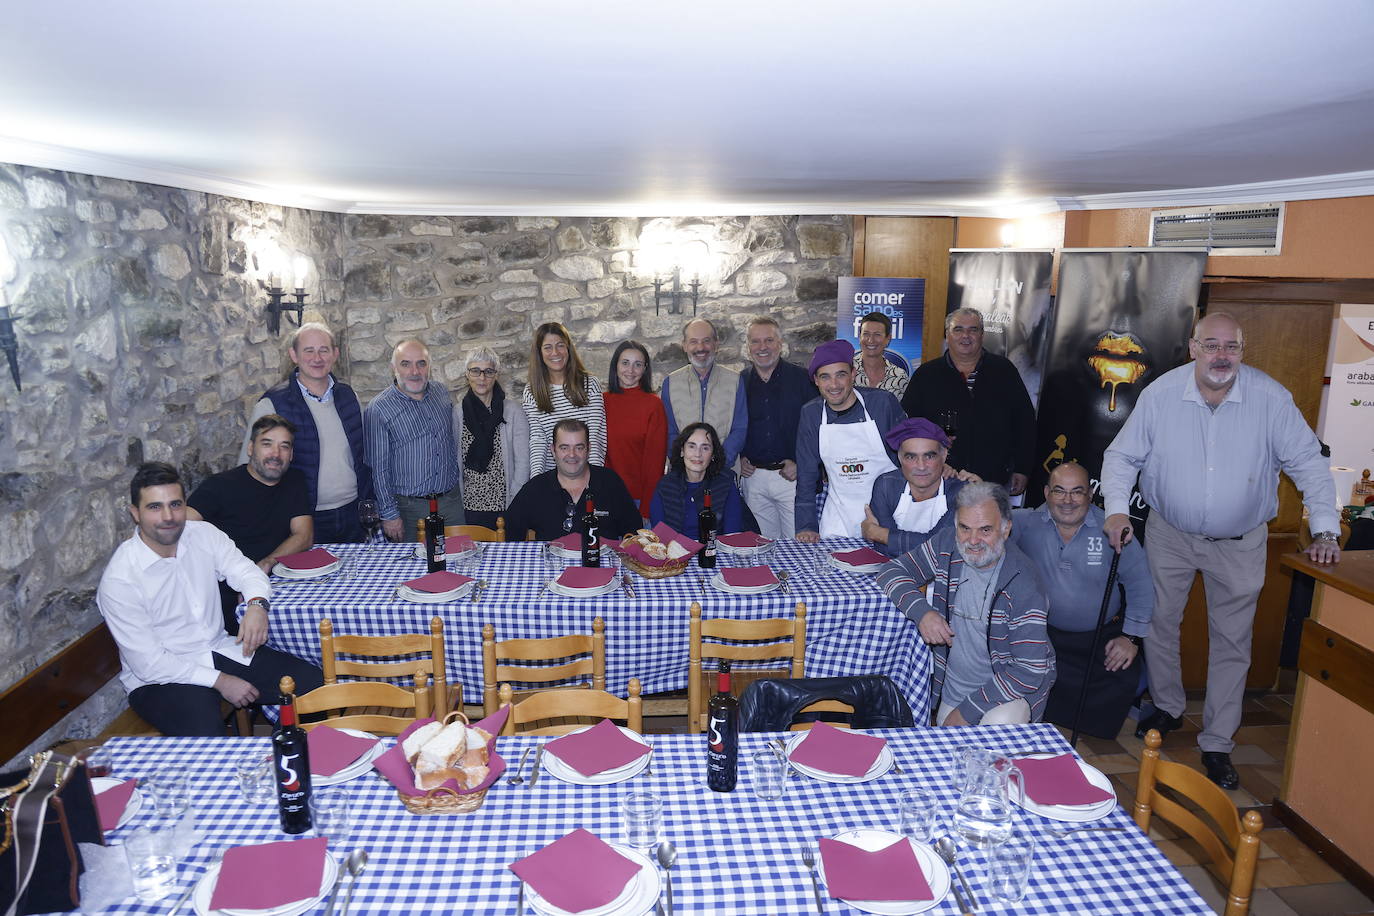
[
  {"x": 414, "y": 508},
  {"x": 1232, "y": 576}
]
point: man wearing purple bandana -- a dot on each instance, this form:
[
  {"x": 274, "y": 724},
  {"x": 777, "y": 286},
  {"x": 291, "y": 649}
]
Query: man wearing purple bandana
[{"x": 910, "y": 504}]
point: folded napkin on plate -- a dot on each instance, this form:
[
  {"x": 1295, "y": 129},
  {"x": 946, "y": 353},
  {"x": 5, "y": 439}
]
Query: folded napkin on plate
[
  {"x": 573, "y": 541},
  {"x": 111, "y": 803},
  {"x": 891, "y": 873},
  {"x": 864, "y": 556},
  {"x": 438, "y": 582},
  {"x": 598, "y": 749},
  {"x": 269, "y": 875},
  {"x": 837, "y": 750},
  {"x": 748, "y": 576},
  {"x": 586, "y": 577},
  {"x": 396, "y": 769},
  {"x": 1059, "y": 781},
  {"x": 577, "y": 872},
  {"x": 743, "y": 539},
  {"x": 310, "y": 559},
  {"x": 331, "y": 750}
]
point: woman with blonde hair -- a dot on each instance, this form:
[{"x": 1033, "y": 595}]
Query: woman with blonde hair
[{"x": 560, "y": 388}]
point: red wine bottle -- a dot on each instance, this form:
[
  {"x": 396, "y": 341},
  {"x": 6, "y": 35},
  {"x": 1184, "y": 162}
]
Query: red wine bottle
[
  {"x": 291, "y": 757},
  {"x": 706, "y": 533},
  {"x": 722, "y": 735},
  {"x": 591, "y": 548},
  {"x": 434, "y": 537}
]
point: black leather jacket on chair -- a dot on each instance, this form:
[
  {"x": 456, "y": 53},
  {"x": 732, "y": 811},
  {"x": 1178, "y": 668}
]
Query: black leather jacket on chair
[{"x": 772, "y": 705}]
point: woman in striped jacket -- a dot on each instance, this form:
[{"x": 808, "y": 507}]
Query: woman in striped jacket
[{"x": 560, "y": 389}]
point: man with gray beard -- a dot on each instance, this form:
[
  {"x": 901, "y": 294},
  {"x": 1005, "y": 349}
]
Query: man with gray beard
[{"x": 985, "y": 618}]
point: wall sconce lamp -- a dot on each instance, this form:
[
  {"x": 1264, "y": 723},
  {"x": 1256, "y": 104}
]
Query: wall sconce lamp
[
  {"x": 675, "y": 295},
  {"x": 9, "y": 343},
  {"x": 276, "y": 307}
]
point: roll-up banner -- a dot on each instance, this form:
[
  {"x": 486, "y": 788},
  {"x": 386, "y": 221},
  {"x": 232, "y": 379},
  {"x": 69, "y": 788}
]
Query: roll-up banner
[
  {"x": 1122, "y": 319},
  {"x": 1010, "y": 288},
  {"x": 1349, "y": 422},
  {"x": 900, "y": 298}
]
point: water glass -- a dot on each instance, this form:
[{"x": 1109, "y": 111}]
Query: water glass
[
  {"x": 149, "y": 850},
  {"x": 169, "y": 785},
  {"x": 98, "y": 760},
  {"x": 642, "y": 813},
  {"x": 820, "y": 560},
  {"x": 256, "y": 779},
  {"x": 329, "y": 815},
  {"x": 916, "y": 815},
  {"x": 1009, "y": 866},
  {"x": 553, "y": 563},
  {"x": 767, "y": 775}
]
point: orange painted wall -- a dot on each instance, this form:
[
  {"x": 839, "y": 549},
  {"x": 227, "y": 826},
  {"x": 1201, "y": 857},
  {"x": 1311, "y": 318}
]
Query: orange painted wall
[{"x": 1328, "y": 239}]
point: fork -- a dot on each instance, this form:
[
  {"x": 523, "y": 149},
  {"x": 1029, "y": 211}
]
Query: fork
[
  {"x": 1061, "y": 832},
  {"x": 649, "y": 769},
  {"x": 809, "y": 860},
  {"x": 181, "y": 901}
]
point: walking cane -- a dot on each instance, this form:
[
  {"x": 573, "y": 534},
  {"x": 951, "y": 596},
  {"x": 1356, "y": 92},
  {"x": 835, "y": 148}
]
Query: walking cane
[{"x": 1097, "y": 645}]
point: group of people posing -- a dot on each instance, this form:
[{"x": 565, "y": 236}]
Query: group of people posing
[{"x": 1008, "y": 599}]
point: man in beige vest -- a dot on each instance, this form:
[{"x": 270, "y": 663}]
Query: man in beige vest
[{"x": 703, "y": 392}]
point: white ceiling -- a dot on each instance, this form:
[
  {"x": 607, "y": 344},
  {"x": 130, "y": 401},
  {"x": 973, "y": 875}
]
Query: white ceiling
[{"x": 438, "y": 106}]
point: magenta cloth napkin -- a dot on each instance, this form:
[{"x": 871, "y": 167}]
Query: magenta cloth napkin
[
  {"x": 270, "y": 874},
  {"x": 459, "y": 543},
  {"x": 838, "y": 750},
  {"x": 891, "y": 873},
  {"x": 331, "y": 750},
  {"x": 437, "y": 582},
  {"x": 577, "y": 872},
  {"x": 111, "y": 803},
  {"x": 668, "y": 535},
  {"x": 310, "y": 559},
  {"x": 598, "y": 749},
  {"x": 396, "y": 769},
  {"x": 861, "y": 557},
  {"x": 1059, "y": 781},
  {"x": 748, "y": 576},
  {"x": 586, "y": 577},
  {"x": 573, "y": 541},
  {"x": 743, "y": 539}
]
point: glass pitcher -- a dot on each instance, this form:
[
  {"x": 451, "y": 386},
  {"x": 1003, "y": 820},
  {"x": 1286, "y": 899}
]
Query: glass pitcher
[{"x": 983, "y": 815}]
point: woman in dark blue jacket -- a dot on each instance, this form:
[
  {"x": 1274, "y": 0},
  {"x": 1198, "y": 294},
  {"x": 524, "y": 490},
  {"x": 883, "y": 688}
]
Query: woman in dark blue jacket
[{"x": 696, "y": 465}]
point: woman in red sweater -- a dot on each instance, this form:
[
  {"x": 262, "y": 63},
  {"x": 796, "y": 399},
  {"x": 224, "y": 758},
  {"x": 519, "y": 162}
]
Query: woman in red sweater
[{"x": 636, "y": 426}]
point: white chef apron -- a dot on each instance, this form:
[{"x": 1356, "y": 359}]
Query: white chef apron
[
  {"x": 921, "y": 516},
  {"x": 854, "y": 456}
]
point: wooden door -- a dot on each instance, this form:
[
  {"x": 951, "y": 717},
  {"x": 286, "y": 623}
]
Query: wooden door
[{"x": 910, "y": 246}]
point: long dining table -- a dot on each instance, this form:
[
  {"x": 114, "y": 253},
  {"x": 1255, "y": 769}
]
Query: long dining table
[
  {"x": 851, "y": 627},
  {"x": 736, "y": 853}
]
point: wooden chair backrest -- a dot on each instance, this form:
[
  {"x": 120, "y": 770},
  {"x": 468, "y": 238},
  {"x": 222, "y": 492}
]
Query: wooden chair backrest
[
  {"x": 1235, "y": 853},
  {"x": 581, "y": 704},
  {"x": 751, "y": 641},
  {"x": 834, "y": 706},
  {"x": 590, "y": 664},
  {"x": 333, "y": 698},
  {"x": 476, "y": 532},
  {"x": 428, "y": 659}
]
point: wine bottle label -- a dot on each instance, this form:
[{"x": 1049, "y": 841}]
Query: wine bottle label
[{"x": 439, "y": 554}]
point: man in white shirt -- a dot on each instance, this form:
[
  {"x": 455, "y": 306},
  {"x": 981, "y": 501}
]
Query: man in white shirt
[{"x": 160, "y": 599}]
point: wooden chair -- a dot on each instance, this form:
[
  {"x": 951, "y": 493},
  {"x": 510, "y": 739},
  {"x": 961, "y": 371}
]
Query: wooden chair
[
  {"x": 366, "y": 695},
  {"x": 426, "y": 657},
  {"x": 749, "y": 640},
  {"x": 829, "y": 706},
  {"x": 476, "y": 532},
  {"x": 587, "y": 654},
  {"x": 1234, "y": 854},
  {"x": 581, "y": 704}
]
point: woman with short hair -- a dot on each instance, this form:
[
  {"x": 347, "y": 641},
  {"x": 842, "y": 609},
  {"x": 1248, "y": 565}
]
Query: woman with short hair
[
  {"x": 560, "y": 388},
  {"x": 491, "y": 433},
  {"x": 636, "y": 423},
  {"x": 696, "y": 467}
]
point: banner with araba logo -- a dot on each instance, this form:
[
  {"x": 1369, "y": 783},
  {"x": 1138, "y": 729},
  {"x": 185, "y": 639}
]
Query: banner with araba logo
[{"x": 1349, "y": 426}]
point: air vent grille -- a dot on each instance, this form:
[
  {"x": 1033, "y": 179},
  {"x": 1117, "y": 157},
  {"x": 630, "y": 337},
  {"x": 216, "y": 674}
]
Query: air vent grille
[{"x": 1255, "y": 229}]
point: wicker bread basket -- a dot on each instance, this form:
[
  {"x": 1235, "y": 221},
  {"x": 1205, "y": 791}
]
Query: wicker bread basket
[
  {"x": 669, "y": 568},
  {"x": 444, "y": 800}
]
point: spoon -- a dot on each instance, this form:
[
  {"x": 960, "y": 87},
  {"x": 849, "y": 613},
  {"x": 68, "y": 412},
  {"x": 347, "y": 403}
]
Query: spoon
[
  {"x": 782, "y": 581},
  {"x": 667, "y": 855},
  {"x": 945, "y": 847},
  {"x": 357, "y": 861},
  {"x": 478, "y": 589},
  {"x": 517, "y": 779}
]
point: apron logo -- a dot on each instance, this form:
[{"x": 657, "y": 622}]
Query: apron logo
[{"x": 851, "y": 469}]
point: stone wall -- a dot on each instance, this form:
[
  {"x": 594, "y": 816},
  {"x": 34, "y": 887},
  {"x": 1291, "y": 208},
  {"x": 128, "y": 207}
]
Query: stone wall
[{"x": 142, "y": 337}]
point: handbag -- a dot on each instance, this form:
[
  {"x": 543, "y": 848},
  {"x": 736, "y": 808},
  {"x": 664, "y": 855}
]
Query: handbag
[{"x": 46, "y": 811}]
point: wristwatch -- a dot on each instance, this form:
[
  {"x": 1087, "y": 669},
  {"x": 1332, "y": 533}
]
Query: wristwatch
[
  {"x": 1326, "y": 536},
  {"x": 260, "y": 602},
  {"x": 1135, "y": 640}
]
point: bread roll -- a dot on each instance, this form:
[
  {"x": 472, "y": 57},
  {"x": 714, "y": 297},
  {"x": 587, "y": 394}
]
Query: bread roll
[{"x": 417, "y": 739}]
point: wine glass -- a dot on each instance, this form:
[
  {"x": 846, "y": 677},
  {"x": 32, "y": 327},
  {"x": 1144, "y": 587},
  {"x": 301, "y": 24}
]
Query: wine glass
[{"x": 367, "y": 515}]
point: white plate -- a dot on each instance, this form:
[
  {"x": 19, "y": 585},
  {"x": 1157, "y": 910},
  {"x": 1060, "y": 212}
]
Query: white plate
[
  {"x": 559, "y": 588},
  {"x": 206, "y": 887},
  {"x": 406, "y": 593},
  {"x": 636, "y": 899},
  {"x": 566, "y": 772},
  {"x": 559, "y": 550},
  {"x": 355, "y": 769},
  {"x": 745, "y": 551},
  {"x": 880, "y": 766},
  {"x": 718, "y": 583},
  {"x": 932, "y": 866},
  {"x": 1075, "y": 814},
  {"x": 102, "y": 783},
  {"x": 477, "y": 547},
  {"x": 287, "y": 573},
  {"x": 862, "y": 570}
]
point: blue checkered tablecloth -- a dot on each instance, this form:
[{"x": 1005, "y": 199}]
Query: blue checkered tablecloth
[
  {"x": 737, "y": 854},
  {"x": 851, "y": 627}
]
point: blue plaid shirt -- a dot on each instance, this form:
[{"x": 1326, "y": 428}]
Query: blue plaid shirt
[{"x": 410, "y": 445}]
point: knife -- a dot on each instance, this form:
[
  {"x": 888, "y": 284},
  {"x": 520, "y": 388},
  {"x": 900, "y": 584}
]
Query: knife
[{"x": 538, "y": 757}]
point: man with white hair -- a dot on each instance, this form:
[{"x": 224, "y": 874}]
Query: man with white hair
[
  {"x": 702, "y": 392},
  {"x": 410, "y": 446},
  {"x": 986, "y": 617},
  {"x": 329, "y": 447}
]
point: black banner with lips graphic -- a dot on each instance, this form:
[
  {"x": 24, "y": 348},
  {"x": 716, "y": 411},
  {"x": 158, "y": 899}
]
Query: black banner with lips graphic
[{"x": 1121, "y": 319}]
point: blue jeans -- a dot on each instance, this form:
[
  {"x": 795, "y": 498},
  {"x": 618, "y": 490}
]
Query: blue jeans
[{"x": 339, "y": 526}]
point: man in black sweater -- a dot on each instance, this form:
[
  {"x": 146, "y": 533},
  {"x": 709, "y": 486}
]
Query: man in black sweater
[
  {"x": 552, "y": 504},
  {"x": 996, "y": 421}
]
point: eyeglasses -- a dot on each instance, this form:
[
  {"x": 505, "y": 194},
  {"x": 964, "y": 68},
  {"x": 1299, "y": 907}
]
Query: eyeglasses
[
  {"x": 1212, "y": 348},
  {"x": 1060, "y": 492},
  {"x": 474, "y": 372}
]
